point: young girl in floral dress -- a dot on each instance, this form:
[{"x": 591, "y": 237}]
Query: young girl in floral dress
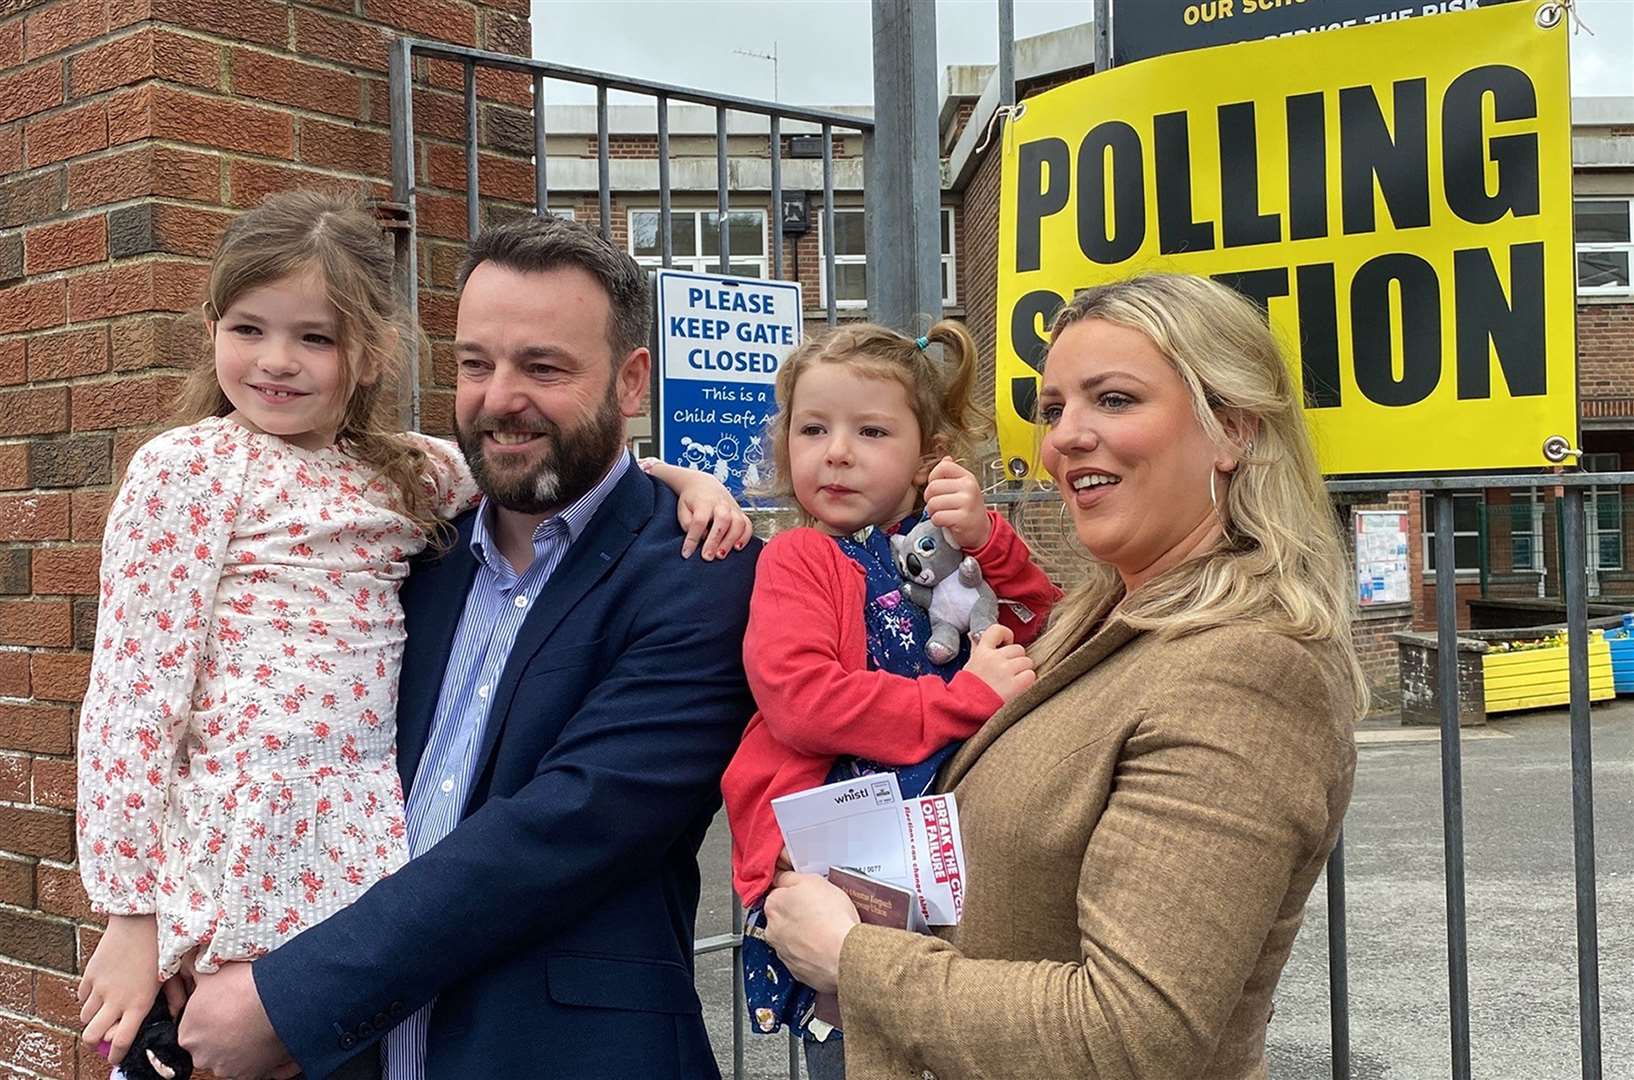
[{"x": 237, "y": 773}]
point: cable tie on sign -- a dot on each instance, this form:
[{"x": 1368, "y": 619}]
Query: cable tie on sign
[{"x": 1014, "y": 112}]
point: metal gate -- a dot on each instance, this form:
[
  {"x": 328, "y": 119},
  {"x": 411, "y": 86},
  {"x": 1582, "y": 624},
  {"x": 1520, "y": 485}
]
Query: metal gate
[{"x": 1437, "y": 491}]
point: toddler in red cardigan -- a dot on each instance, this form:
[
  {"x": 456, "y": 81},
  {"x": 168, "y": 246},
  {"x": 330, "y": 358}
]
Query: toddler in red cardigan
[{"x": 868, "y": 426}]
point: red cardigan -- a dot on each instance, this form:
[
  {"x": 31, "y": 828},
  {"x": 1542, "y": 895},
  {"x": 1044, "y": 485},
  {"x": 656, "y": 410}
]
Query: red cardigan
[{"x": 806, "y": 655}]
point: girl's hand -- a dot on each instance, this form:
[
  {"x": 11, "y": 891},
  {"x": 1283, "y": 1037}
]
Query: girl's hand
[
  {"x": 120, "y": 983},
  {"x": 705, "y": 505},
  {"x": 953, "y": 501},
  {"x": 807, "y": 920},
  {"x": 999, "y": 662}
]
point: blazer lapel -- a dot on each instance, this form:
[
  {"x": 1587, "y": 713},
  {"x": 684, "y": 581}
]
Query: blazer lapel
[
  {"x": 440, "y": 586},
  {"x": 597, "y": 550},
  {"x": 1107, "y": 640}
]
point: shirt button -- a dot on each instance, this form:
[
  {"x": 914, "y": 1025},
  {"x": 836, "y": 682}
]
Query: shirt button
[
  {"x": 521, "y": 601},
  {"x": 448, "y": 785},
  {"x": 482, "y": 692}
]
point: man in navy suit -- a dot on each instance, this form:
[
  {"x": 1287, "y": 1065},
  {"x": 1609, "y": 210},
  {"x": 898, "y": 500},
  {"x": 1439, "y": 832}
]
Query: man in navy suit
[{"x": 571, "y": 692}]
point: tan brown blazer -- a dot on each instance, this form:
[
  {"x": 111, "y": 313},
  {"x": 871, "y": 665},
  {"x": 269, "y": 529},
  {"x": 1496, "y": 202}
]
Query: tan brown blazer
[{"x": 1142, "y": 829}]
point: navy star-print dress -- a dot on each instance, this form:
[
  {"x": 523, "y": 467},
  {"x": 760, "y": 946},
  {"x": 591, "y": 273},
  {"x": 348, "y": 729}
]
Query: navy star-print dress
[{"x": 897, "y": 630}]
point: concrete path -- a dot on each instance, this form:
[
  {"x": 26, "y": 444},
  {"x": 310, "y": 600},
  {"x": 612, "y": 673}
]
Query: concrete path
[{"x": 1522, "y": 959}]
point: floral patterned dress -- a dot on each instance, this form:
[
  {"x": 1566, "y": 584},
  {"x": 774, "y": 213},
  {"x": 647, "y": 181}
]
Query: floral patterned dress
[{"x": 237, "y": 767}]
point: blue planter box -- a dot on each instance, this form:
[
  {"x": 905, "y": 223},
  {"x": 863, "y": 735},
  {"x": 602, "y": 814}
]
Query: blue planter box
[{"x": 1622, "y": 659}]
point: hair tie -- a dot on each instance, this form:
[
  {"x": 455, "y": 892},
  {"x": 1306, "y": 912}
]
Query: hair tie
[{"x": 921, "y": 343}]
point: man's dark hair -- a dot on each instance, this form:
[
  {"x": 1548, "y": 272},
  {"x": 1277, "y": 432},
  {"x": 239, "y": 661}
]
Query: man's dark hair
[{"x": 533, "y": 243}]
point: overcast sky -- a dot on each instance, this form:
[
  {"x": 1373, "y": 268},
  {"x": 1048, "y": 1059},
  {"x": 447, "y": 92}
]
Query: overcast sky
[{"x": 823, "y": 46}]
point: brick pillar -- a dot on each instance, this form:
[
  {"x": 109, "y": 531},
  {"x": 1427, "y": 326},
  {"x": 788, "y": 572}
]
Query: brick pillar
[{"x": 130, "y": 132}]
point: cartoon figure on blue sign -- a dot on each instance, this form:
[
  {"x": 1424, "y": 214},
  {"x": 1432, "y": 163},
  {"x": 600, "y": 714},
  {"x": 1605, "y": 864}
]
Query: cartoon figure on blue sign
[
  {"x": 726, "y": 452},
  {"x": 752, "y": 459},
  {"x": 695, "y": 455}
]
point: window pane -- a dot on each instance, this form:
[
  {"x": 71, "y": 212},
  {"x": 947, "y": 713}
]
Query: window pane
[
  {"x": 850, "y": 281},
  {"x": 1467, "y": 552},
  {"x": 947, "y": 281},
  {"x": 683, "y": 231},
  {"x": 1611, "y": 551},
  {"x": 947, "y": 232},
  {"x": 1522, "y": 553},
  {"x": 1601, "y": 221},
  {"x": 644, "y": 233},
  {"x": 744, "y": 232},
  {"x": 1602, "y": 269},
  {"x": 848, "y": 233},
  {"x": 749, "y": 270}
]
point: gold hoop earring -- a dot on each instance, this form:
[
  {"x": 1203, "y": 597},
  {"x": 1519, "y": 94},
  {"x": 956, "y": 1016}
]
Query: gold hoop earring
[
  {"x": 1214, "y": 499},
  {"x": 1061, "y": 519}
]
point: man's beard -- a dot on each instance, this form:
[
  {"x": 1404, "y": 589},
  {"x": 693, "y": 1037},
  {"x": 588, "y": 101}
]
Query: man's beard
[{"x": 567, "y": 468}]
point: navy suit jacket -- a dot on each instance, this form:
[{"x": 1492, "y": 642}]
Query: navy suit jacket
[{"x": 554, "y": 925}]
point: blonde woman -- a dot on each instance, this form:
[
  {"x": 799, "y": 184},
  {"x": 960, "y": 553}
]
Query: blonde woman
[{"x": 1144, "y": 825}]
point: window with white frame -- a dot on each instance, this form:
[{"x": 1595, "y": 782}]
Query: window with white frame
[
  {"x": 1467, "y": 510},
  {"x": 1605, "y": 514},
  {"x": 851, "y": 260},
  {"x": 1604, "y": 230},
  {"x": 695, "y": 240},
  {"x": 1525, "y": 531}
]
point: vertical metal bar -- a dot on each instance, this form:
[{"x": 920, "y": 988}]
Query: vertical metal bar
[
  {"x": 1103, "y": 34},
  {"x": 666, "y": 242},
  {"x": 666, "y": 245},
  {"x": 603, "y": 177},
  {"x": 1338, "y": 963},
  {"x": 739, "y": 998},
  {"x": 828, "y": 222},
  {"x": 541, "y": 190},
  {"x": 1577, "y": 652},
  {"x": 473, "y": 201},
  {"x": 794, "y": 1055},
  {"x": 723, "y": 240},
  {"x": 406, "y": 277},
  {"x": 1452, "y": 782},
  {"x": 776, "y": 214},
  {"x": 1007, "y": 52}
]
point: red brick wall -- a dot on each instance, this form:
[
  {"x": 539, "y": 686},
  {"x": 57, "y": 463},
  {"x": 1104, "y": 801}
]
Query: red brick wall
[
  {"x": 1605, "y": 354},
  {"x": 130, "y": 131}
]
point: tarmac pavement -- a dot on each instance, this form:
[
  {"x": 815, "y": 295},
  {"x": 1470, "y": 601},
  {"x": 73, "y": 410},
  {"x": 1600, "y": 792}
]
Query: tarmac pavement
[{"x": 1519, "y": 887}]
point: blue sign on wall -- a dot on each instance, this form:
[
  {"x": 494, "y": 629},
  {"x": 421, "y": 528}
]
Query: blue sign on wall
[{"x": 720, "y": 343}]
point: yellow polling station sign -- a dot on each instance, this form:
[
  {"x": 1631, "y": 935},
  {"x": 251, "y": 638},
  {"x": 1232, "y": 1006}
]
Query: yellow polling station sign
[{"x": 1397, "y": 196}]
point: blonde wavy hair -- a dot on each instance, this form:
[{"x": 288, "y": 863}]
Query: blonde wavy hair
[
  {"x": 1282, "y": 563},
  {"x": 336, "y": 239},
  {"x": 939, "y": 387}
]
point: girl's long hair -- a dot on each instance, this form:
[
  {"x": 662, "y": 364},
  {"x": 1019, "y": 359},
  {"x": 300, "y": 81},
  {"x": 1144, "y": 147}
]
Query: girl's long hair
[
  {"x": 336, "y": 239},
  {"x": 1282, "y": 564},
  {"x": 939, "y": 386}
]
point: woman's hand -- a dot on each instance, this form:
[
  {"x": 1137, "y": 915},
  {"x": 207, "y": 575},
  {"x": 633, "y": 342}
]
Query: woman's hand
[
  {"x": 705, "y": 506},
  {"x": 807, "y": 920},
  {"x": 953, "y": 501},
  {"x": 121, "y": 980}
]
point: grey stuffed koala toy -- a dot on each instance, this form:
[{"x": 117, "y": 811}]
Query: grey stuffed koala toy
[{"x": 946, "y": 582}]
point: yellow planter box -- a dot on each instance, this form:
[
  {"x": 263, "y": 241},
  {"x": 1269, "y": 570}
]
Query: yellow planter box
[{"x": 1537, "y": 678}]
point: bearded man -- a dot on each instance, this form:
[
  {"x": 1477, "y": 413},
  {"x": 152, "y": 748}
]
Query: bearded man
[{"x": 571, "y": 693}]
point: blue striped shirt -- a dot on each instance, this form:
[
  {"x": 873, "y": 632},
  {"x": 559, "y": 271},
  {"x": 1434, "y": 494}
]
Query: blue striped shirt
[{"x": 495, "y": 609}]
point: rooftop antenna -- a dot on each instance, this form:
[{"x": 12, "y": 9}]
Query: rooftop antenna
[{"x": 772, "y": 56}]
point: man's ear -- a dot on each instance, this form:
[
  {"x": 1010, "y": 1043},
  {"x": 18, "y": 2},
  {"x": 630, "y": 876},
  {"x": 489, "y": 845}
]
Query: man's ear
[{"x": 632, "y": 380}]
